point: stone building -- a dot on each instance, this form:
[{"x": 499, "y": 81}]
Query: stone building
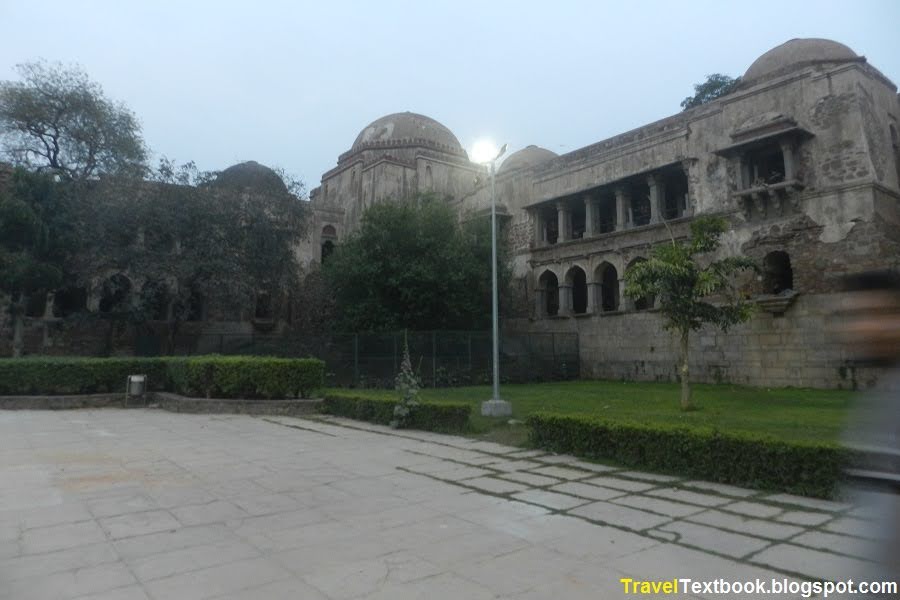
[{"x": 803, "y": 158}]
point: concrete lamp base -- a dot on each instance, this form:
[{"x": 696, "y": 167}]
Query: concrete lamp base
[{"x": 496, "y": 408}]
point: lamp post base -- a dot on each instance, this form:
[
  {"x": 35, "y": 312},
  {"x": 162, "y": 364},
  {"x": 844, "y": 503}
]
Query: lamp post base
[{"x": 496, "y": 408}]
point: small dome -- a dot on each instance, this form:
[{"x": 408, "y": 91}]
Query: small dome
[
  {"x": 798, "y": 53},
  {"x": 253, "y": 175},
  {"x": 411, "y": 129},
  {"x": 527, "y": 157}
]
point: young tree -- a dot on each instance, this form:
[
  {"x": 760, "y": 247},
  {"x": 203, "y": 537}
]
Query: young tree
[
  {"x": 413, "y": 265},
  {"x": 684, "y": 278},
  {"x": 57, "y": 119},
  {"x": 715, "y": 86},
  {"x": 35, "y": 241}
]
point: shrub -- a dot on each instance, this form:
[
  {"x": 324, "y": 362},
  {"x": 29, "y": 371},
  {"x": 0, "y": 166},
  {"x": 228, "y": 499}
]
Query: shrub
[
  {"x": 807, "y": 468},
  {"x": 211, "y": 376},
  {"x": 444, "y": 417}
]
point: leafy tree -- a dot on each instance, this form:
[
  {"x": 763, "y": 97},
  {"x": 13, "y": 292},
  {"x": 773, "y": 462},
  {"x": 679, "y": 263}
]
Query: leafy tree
[
  {"x": 193, "y": 239},
  {"x": 57, "y": 119},
  {"x": 715, "y": 86},
  {"x": 35, "y": 242},
  {"x": 684, "y": 278},
  {"x": 413, "y": 265}
]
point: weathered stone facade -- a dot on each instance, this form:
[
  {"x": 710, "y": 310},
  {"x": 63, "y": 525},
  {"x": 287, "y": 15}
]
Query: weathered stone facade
[{"x": 803, "y": 159}]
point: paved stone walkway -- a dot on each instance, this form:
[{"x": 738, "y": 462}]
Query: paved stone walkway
[{"x": 137, "y": 504}]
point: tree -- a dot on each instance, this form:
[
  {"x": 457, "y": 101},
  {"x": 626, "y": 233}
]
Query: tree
[
  {"x": 191, "y": 238},
  {"x": 35, "y": 242},
  {"x": 413, "y": 265},
  {"x": 683, "y": 277},
  {"x": 715, "y": 86},
  {"x": 57, "y": 119}
]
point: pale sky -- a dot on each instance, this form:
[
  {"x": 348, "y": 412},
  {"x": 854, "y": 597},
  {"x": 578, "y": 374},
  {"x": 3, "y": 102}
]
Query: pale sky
[{"x": 291, "y": 84}]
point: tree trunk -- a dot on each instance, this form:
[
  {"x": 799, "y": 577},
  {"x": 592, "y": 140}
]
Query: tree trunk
[
  {"x": 18, "y": 315},
  {"x": 686, "y": 403}
]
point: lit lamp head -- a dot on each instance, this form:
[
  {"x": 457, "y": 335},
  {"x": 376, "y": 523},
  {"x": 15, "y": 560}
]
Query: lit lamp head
[{"x": 484, "y": 151}]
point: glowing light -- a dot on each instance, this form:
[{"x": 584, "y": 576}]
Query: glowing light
[{"x": 483, "y": 151}]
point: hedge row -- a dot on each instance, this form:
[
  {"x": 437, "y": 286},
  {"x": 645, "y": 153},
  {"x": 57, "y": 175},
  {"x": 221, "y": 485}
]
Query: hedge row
[
  {"x": 209, "y": 376},
  {"x": 443, "y": 417},
  {"x": 806, "y": 468}
]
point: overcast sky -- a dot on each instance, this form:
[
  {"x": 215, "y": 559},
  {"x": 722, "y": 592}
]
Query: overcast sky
[{"x": 291, "y": 84}]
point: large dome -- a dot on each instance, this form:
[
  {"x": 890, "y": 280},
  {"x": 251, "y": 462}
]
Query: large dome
[
  {"x": 527, "y": 157},
  {"x": 410, "y": 129},
  {"x": 797, "y": 53},
  {"x": 252, "y": 175}
]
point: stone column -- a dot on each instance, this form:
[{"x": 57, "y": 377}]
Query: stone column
[
  {"x": 595, "y": 294},
  {"x": 48, "y": 305},
  {"x": 565, "y": 300},
  {"x": 562, "y": 220},
  {"x": 623, "y": 299},
  {"x": 622, "y": 202},
  {"x": 588, "y": 216},
  {"x": 688, "y": 204},
  {"x": 538, "y": 228},
  {"x": 787, "y": 150},
  {"x": 656, "y": 195}
]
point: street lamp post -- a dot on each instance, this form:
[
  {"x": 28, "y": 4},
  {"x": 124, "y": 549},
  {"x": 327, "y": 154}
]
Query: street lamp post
[{"x": 495, "y": 407}]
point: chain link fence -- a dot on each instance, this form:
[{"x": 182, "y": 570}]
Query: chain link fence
[{"x": 440, "y": 358}]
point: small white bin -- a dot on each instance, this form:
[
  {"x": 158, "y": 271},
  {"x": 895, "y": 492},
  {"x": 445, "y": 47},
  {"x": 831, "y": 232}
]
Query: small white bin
[{"x": 137, "y": 385}]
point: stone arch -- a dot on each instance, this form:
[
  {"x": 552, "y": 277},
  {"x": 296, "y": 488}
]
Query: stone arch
[
  {"x": 606, "y": 278},
  {"x": 548, "y": 288},
  {"x": 115, "y": 294},
  {"x": 329, "y": 239},
  {"x": 429, "y": 178},
  {"x": 644, "y": 302},
  {"x": 576, "y": 290},
  {"x": 778, "y": 276}
]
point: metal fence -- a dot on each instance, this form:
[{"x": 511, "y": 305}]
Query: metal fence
[{"x": 440, "y": 358}]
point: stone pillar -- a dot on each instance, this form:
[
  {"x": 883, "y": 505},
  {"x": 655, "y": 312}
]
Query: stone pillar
[
  {"x": 656, "y": 196},
  {"x": 622, "y": 202},
  {"x": 588, "y": 216},
  {"x": 562, "y": 220},
  {"x": 48, "y": 305},
  {"x": 688, "y": 203},
  {"x": 538, "y": 229},
  {"x": 539, "y": 303},
  {"x": 594, "y": 290},
  {"x": 787, "y": 150},
  {"x": 623, "y": 299},
  {"x": 565, "y": 300}
]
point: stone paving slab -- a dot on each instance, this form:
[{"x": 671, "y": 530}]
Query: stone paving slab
[{"x": 148, "y": 505}]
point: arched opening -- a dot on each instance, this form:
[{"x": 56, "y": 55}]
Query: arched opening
[
  {"x": 778, "y": 276},
  {"x": 155, "y": 300},
  {"x": 608, "y": 279},
  {"x": 549, "y": 285},
  {"x": 264, "y": 310},
  {"x": 577, "y": 282},
  {"x": 640, "y": 203},
  {"x": 329, "y": 237},
  {"x": 115, "y": 294},
  {"x": 429, "y": 180},
  {"x": 644, "y": 302}
]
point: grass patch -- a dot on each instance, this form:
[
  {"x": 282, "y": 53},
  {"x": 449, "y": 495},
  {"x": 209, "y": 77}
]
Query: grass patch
[{"x": 787, "y": 414}]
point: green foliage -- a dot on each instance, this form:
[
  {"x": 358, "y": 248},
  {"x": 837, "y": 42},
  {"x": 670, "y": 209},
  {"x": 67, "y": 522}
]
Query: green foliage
[
  {"x": 407, "y": 384},
  {"x": 210, "y": 376},
  {"x": 57, "y": 119},
  {"x": 715, "y": 86},
  {"x": 448, "y": 417},
  {"x": 413, "y": 265},
  {"x": 758, "y": 461}
]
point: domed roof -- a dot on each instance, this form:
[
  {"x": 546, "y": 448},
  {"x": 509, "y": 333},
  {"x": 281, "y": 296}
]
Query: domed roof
[
  {"x": 797, "y": 53},
  {"x": 529, "y": 156},
  {"x": 408, "y": 128},
  {"x": 251, "y": 174}
]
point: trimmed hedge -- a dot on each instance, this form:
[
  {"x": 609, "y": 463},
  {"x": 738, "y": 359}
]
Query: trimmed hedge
[
  {"x": 209, "y": 376},
  {"x": 806, "y": 468},
  {"x": 429, "y": 416}
]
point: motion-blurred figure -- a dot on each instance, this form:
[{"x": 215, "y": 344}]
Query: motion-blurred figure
[{"x": 871, "y": 326}]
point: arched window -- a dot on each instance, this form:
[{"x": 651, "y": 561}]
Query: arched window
[
  {"x": 644, "y": 302},
  {"x": 429, "y": 180},
  {"x": 329, "y": 237},
  {"x": 577, "y": 282},
  {"x": 264, "y": 309},
  {"x": 115, "y": 294},
  {"x": 778, "y": 276},
  {"x": 549, "y": 286},
  {"x": 607, "y": 278}
]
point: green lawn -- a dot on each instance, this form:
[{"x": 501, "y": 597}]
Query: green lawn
[{"x": 784, "y": 413}]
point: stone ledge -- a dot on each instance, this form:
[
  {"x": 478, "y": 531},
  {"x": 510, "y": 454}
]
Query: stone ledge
[{"x": 68, "y": 402}]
